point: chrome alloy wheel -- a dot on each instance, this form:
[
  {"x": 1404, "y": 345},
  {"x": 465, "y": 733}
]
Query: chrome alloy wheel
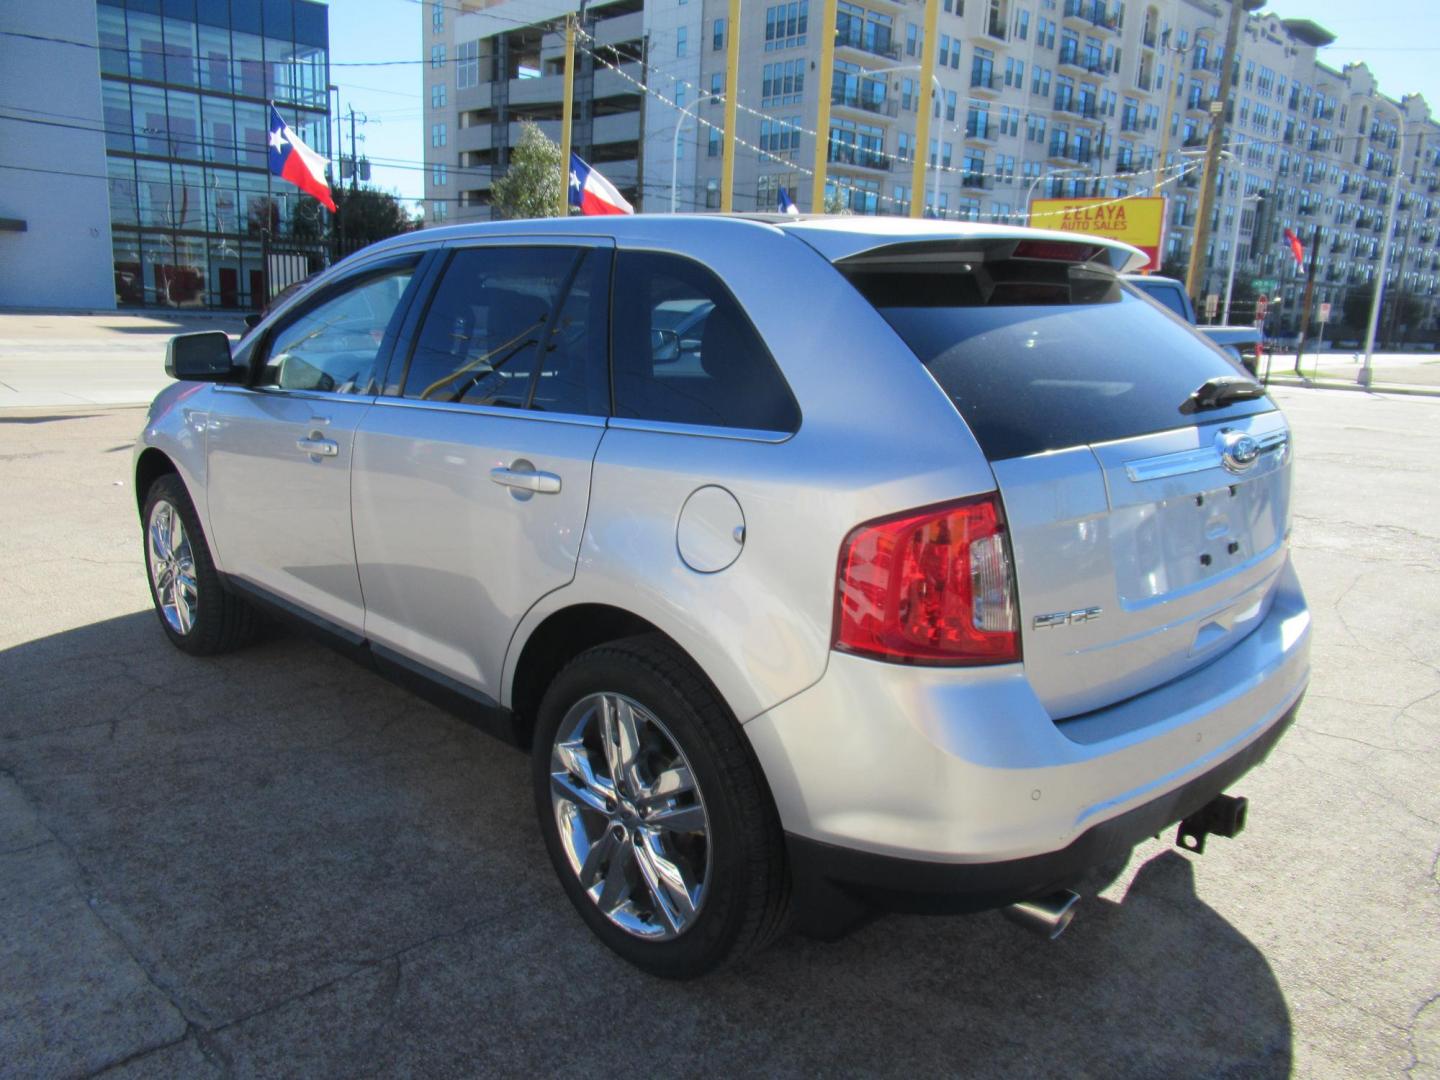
[
  {"x": 172, "y": 567},
  {"x": 631, "y": 818}
]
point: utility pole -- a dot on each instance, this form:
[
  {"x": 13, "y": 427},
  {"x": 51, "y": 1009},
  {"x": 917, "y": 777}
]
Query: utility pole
[
  {"x": 822, "y": 111},
  {"x": 732, "y": 100},
  {"x": 567, "y": 117},
  {"x": 1308, "y": 298},
  {"x": 922, "y": 122},
  {"x": 354, "y": 160},
  {"x": 1366, "y": 372},
  {"x": 1216, "y": 143}
]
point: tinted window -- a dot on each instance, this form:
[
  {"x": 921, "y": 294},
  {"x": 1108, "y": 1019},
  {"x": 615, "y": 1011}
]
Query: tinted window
[
  {"x": 1043, "y": 356},
  {"x": 497, "y": 312},
  {"x": 685, "y": 353},
  {"x": 333, "y": 344}
]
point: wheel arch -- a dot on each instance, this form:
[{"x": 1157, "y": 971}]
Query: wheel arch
[
  {"x": 149, "y": 467},
  {"x": 564, "y": 634}
]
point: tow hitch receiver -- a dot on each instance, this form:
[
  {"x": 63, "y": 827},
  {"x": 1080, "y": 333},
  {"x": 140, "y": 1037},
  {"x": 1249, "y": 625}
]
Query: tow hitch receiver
[{"x": 1223, "y": 815}]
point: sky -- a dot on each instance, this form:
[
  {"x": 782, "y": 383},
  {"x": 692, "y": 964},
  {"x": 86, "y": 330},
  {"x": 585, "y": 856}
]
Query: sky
[{"x": 1399, "y": 39}]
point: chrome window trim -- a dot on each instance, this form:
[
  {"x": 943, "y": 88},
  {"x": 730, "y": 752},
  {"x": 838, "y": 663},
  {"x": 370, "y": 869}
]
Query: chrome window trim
[
  {"x": 460, "y": 243},
  {"x": 665, "y": 427},
  {"x": 578, "y": 419},
  {"x": 309, "y": 395}
]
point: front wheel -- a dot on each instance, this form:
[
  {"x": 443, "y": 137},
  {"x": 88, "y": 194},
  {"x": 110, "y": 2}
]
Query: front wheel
[
  {"x": 198, "y": 615},
  {"x": 654, "y": 811}
]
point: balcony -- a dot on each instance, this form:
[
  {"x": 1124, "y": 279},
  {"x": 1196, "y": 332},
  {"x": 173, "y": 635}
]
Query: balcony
[
  {"x": 976, "y": 181},
  {"x": 1124, "y": 166},
  {"x": 982, "y": 132},
  {"x": 1308, "y": 209},
  {"x": 843, "y": 154},
  {"x": 990, "y": 83},
  {"x": 1198, "y": 104},
  {"x": 995, "y": 28},
  {"x": 869, "y": 44},
  {"x": 866, "y": 104}
]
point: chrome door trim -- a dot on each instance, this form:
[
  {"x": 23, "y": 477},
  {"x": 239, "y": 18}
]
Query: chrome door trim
[
  {"x": 665, "y": 427},
  {"x": 318, "y": 447},
  {"x": 491, "y": 410},
  {"x": 302, "y": 395}
]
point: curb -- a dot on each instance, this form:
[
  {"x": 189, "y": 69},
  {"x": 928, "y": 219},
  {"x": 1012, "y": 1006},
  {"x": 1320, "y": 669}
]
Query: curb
[{"x": 1340, "y": 384}]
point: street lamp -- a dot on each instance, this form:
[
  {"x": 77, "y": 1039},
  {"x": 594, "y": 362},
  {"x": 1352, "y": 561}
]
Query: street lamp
[
  {"x": 934, "y": 198},
  {"x": 1364, "y": 378},
  {"x": 675, "y": 153},
  {"x": 1030, "y": 191}
]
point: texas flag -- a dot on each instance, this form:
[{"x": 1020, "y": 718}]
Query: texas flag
[
  {"x": 291, "y": 159},
  {"x": 787, "y": 204},
  {"x": 1296, "y": 248},
  {"x": 592, "y": 193}
]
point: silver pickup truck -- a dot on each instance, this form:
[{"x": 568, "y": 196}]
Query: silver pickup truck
[{"x": 1242, "y": 342}]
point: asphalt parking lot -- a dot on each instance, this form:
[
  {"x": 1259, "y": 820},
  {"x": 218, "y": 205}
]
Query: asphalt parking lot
[{"x": 274, "y": 863}]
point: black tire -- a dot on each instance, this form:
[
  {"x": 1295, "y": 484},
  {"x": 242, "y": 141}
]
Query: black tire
[
  {"x": 218, "y": 621},
  {"x": 747, "y": 893}
]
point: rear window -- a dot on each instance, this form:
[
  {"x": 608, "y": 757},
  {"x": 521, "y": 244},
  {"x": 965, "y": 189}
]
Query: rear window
[{"x": 1046, "y": 355}]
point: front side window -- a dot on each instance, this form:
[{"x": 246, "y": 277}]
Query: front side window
[
  {"x": 518, "y": 328},
  {"x": 684, "y": 352},
  {"x": 333, "y": 345}
]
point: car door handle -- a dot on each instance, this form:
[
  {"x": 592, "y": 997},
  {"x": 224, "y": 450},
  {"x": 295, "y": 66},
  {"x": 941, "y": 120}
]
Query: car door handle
[
  {"x": 323, "y": 447},
  {"x": 543, "y": 483}
]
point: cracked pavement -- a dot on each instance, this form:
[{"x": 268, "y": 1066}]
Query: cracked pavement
[{"x": 276, "y": 864}]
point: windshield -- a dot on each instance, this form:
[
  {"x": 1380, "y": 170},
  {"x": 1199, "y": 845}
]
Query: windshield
[{"x": 1040, "y": 356}]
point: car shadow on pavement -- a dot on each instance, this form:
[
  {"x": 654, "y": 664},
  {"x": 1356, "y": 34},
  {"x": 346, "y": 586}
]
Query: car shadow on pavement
[{"x": 310, "y": 872}]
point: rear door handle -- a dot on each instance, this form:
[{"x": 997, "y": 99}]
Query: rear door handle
[
  {"x": 322, "y": 447},
  {"x": 543, "y": 483}
]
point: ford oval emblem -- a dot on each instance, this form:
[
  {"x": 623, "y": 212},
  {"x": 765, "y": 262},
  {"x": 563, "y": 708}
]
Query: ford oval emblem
[{"x": 1238, "y": 451}]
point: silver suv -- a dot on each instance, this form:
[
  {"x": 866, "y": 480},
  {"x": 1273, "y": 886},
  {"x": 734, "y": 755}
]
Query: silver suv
[{"x": 825, "y": 565}]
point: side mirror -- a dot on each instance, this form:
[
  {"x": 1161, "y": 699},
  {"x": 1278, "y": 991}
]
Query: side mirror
[
  {"x": 664, "y": 346},
  {"x": 202, "y": 357}
]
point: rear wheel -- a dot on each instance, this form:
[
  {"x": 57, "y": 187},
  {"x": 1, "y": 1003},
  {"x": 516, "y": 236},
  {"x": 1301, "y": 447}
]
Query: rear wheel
[
  {"x": 655, "y": 813},
  {"x": 198, "y": 615}
]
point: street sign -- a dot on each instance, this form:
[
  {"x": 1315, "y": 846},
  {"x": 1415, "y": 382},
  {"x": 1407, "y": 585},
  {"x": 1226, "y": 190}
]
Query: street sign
[
  {"x": 1324, "y": 313},
  {"x": 1136, "y": 221},
  {"x": 1212, "y": 306},
  {"x": 1264, "y": 285}
]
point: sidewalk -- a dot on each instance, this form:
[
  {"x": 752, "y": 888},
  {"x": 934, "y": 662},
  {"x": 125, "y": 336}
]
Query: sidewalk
[
  {"x": 55, "y": 359},
  {"x": 1391, "y": 373}
]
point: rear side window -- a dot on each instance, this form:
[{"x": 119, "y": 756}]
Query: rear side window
[
  {"x": 1165, "y": 293},
  {"x": 516, "y": 327},
  {"x": 1043, "y": 356},
  {"x": 684, "y": 352}
]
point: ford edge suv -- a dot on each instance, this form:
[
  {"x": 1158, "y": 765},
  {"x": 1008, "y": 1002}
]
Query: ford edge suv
[{"x": 823, "y": 565}]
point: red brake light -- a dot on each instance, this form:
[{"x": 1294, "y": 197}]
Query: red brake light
[
  {"x": 1056, "y": 250},
  {"x": 931, "y": 586}
]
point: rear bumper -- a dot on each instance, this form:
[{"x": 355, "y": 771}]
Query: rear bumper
[
  {"x": 912, "y": 885},
  {"x": 965, "y": 770}
]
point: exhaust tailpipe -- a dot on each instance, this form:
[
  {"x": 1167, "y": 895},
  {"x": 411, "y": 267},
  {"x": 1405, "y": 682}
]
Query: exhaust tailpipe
[{"x": 1047, "y": 916}]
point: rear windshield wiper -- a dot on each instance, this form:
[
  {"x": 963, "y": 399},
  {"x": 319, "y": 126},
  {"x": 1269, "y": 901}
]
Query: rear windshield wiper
[{"x": 1220, "y": 391}]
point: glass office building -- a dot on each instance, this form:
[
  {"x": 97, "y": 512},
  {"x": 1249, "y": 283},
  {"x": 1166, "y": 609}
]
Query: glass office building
[{"x": 186, "y": 87}]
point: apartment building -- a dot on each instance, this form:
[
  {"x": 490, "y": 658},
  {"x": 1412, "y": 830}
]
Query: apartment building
[{"x": 1030, "y": 98}]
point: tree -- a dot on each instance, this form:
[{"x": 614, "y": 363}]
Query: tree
[
  {"x": 531, "y": 187},
  {"x": 1357, "y": 309},
  {"x": 369, "y": 214}
]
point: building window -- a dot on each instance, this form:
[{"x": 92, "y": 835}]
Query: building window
[
  {"x": 912, "y": 39},
  {"x": 786, "y": 24},
  {"x": 437, "y": 56},
  {"x": 681, "y": 36},
  {"x": 437, "y": 96},
  {"x": 712, "y": 194},
  {"x": 717, "y": 87},
  {"x": 438, "y": 135},
  {"x": 439, "y": 174},
  {"x": 467, "y": 65},
  {"x": 1022, "y": 24},
  {"x": 437, "y": 17},
  {"x": 712, "y": 145},
  {"x": 440, "y": 209},
  {"x": 717, "y": 36}
]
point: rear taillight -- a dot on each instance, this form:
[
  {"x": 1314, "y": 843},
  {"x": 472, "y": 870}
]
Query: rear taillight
[{"x": 932, "y": 586}]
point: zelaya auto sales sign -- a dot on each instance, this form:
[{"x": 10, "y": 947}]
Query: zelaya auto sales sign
[{"x": 1139, "y": 222}]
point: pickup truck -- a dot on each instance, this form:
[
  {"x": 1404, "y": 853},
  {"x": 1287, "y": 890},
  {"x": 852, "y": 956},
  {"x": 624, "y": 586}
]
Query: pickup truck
[{"x": 1241, "y": 342}]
